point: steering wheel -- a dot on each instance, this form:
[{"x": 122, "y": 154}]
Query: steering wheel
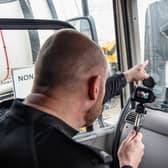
[{"x": 118, "y": 132}]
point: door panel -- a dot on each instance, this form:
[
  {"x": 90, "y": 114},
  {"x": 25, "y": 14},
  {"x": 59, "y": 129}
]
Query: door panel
[{"x": 101, "y": 138}]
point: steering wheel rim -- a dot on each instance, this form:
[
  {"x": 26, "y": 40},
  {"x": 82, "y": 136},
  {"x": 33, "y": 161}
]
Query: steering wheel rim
[{"x": 118, "y": 131}]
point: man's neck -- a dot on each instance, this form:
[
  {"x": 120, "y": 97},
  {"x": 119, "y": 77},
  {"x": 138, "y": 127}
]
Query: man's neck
[{"x": 62, "y": 108}]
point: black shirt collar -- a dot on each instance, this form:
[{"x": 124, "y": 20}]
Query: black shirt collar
[{"x": 28, "y": 115}]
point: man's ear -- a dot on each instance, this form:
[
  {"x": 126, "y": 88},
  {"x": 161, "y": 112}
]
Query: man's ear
[{"x": 94, "y": 87}]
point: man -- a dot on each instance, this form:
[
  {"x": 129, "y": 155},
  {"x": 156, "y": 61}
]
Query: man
[{"x": 68, "y": 91}]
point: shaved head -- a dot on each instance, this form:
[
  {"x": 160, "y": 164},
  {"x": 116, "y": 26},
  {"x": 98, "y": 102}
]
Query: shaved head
[{"x": 65, "y": 58}]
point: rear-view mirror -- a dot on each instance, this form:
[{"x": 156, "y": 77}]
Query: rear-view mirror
[{"x": 86, "y": 26}]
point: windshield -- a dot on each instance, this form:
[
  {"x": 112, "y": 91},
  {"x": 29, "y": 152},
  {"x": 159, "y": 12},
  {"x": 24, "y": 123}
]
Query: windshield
[
  {"x": 19, "y": 48},
  {"x": 40, "y": 9},
  {"x": 153, "y": 28}
]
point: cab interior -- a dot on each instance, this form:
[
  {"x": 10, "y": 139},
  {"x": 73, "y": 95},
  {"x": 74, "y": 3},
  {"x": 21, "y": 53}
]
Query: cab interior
[{"x": 128, "y": 31}]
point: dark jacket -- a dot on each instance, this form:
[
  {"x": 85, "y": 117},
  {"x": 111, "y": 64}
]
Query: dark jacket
[
  {"x": 30, "y": 138},
  {"x": 114, "y": 85}
]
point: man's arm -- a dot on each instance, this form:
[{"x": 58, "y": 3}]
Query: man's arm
[
  {"x": 131, "y": 150},
  {"x": 115, "y": 83}
]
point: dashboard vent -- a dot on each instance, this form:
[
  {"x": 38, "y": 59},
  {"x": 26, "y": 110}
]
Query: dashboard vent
[{"x": 130, "y": 118}]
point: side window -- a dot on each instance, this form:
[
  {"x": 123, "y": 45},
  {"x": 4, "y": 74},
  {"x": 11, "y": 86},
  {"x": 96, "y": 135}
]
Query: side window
[
  {"x": 18, "y": 50},
  {"x": 153, "y": 28}
]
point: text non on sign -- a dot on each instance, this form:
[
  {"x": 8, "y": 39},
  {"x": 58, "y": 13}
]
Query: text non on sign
[
  {"x": 25, "y": 77},
  {"x": 22, "y": 81}
]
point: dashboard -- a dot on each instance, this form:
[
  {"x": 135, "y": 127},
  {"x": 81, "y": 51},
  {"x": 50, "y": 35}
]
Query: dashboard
[{"x": 155, "y": 137}]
